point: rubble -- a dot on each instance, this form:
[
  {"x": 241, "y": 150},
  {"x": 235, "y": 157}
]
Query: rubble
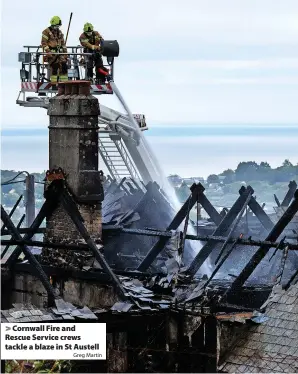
[{"x": 169, "y": 289}]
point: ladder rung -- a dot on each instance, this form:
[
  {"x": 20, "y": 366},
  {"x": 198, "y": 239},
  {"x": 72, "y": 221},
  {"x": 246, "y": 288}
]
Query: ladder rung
[{"x": 113, "y": 152}]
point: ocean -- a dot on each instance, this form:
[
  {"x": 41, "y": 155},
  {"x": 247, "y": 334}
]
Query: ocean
[{"x": 184, "y": 150}]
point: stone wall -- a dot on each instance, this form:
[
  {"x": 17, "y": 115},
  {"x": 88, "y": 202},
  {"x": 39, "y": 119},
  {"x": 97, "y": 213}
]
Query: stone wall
[
  {"x": 73, "y": 147},
  {"x": 29, "y": 289},
  {"x": 61, "y": 229}
]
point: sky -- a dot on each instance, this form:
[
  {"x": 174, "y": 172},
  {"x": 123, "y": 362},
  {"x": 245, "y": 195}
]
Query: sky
[{"x": 194, "y": 63}]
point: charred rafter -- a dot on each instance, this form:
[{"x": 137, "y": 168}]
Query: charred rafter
[
  {"x": 197, "y": 195},
  {"x": 263, "y": 250},
  {"x": 222, "y": 228},
  {"x": 116, "y": 230},
  {"x": 35, "y": 264},
  {"x": 56, "y": 193}
]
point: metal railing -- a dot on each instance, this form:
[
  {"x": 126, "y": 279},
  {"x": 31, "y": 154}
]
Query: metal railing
[{"x": 35, "y": 69}]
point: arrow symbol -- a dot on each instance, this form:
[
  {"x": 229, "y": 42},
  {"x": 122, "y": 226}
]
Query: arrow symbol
[{"x": 7, "y": 328}]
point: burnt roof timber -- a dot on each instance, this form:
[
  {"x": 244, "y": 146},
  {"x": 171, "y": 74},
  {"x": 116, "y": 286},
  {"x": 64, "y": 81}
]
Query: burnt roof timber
[
  {"x": 12, "y": 212},
  {"x": 263, "y": 250},
  {"x": 46, "y": 210},
  {"x": 290, "y": 194},
  {"x": 97, "y": 275},
  {"x": 258, "y": 211},
  {"x": 35, "y": 264},
  {"x": 233, "y": 228},
  {"x": 71, "y": 208},
  {"x": 156, "y": 232},
  {"x": 176, "y": 222},
  {"x": 151, "y": 232},
  {"x": 11, "y": 238},
  {"x": 291, "y": 280},
  {"x": 227, "y": 221},
  {"x": 206, "y": 204},
  {"x": 56, "y": 193}
]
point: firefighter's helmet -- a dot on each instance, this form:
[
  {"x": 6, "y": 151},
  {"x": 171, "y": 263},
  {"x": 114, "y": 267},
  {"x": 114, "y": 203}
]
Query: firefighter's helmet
[
  {"x": 88, "y": 27},
  {"x": 56, "y": 21}
]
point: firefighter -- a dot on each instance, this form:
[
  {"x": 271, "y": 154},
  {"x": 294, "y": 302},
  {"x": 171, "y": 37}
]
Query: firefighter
[
  {"x": 52, "y": 41},
  {"x": 91, "y": 41}
]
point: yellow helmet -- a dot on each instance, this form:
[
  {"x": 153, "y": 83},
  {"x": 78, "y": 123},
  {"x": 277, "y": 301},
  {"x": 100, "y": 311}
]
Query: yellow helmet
[
  {"x": 56, "y": 21},
  {"x": 88, "y": 27}
]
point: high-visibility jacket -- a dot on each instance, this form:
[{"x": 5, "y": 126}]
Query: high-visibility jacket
[
  {"x": 53, "y": 40},
  {"x": 90, "y": 42}
]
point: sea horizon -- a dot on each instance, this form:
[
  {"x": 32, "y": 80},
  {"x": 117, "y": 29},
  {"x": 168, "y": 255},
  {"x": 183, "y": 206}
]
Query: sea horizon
[
  {"x": 184, "y": 130},
  {"x": 185, "y": 150}
]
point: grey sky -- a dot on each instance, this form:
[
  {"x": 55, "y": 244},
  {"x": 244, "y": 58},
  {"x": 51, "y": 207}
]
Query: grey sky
[{"x": 232, "y": 61}]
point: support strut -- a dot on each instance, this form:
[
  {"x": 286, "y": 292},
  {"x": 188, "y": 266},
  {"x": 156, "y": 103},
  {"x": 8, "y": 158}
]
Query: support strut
[
  {"x": 34, "y": 263},
  {"x": 206, "y": 250},
  {"x": 262, "y": 251},
  {"x": 176, "y": 222}
]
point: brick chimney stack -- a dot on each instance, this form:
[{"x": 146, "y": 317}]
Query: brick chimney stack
[{"x": 73, "y": 146}]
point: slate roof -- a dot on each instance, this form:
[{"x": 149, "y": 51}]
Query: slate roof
[
  {"x": 271, "y": 346},
  {"x": 27, "y": 312}
]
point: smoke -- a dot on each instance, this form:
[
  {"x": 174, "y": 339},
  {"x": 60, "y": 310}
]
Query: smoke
[{"x": 160, "y": 178}]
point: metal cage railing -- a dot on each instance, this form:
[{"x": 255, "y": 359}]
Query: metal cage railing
[{"x": 35, "y": 70}]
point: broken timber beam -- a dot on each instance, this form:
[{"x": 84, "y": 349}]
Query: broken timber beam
[
  {"x": 263, "y": 250},
  {"x": 46, "y": 210},
  {"x": 75, "y": 215},
  {"x": 208, "y": 207},
  {"x": 30, "y": 200},
  {"x": 290, "y": 194},
  {"x": 7, "y": 244},
  {"x": 34, "y": 263},
  {"x": 234, "y": 226},
  {"x": 12, "y": 212},
  {"x": 206, "y": 250},
  {"x": 176, "y": 222},
  {"x": 258, "y": 211},
  {"x": 165, "y": 234}
]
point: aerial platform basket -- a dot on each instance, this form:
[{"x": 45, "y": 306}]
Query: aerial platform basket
[
  {"x": 119, "y": 134},
  {"x": 35, "y": 72}
]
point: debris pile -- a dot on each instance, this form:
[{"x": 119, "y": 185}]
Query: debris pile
[{"x": 63, "y": 311}]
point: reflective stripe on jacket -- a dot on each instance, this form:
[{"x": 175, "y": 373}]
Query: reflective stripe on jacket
[
  {"x": 90, "y": 41},
  {"x": 53, "y": 40}
]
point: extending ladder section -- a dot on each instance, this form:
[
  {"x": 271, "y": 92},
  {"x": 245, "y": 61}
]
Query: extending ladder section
[{"x": 115, "y": 156}]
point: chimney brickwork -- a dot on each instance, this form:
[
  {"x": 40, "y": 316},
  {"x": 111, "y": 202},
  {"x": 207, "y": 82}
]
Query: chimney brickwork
[{"x": 73, "y": 146}]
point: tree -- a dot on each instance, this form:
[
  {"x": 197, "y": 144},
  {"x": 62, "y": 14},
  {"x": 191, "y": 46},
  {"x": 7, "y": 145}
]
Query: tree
[
  {"x": 264, "y": 171},
  {"x": 247, "y": 171},
  {"x": 227, "y": 172},
  {"x": 213, "y": 178},
  {"x": 229, "y": 175},
  {"x": 287, "y": 164},
  {"x": 285, "y": 172},
  {"x": 265, "y": 165}
]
